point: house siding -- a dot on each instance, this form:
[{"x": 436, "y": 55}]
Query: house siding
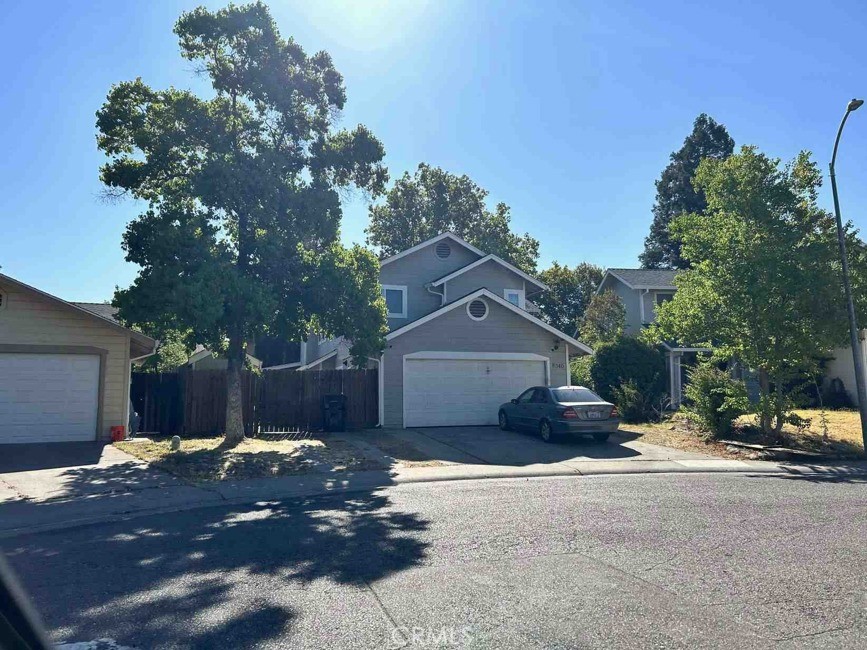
[
  {"x": 32, "y": 320},
  {"x": 630, "y": 298},
  {"x": 492, "y": 276},
  {"x": 502, "y": 331},
  {"x": 417, "y": 269}
]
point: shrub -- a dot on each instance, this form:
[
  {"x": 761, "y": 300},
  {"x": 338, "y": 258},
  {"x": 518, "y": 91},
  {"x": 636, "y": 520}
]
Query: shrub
[
  {"x": 715, "y": 399},
  {"x": 579, "y": 369},
  {"x": 631, "y": 374}
]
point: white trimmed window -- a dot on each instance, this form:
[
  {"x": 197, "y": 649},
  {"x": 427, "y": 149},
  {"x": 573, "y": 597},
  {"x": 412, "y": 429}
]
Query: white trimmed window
[
  {"x": 395, "y": 300},
  {"x": 514, "y": 296}
]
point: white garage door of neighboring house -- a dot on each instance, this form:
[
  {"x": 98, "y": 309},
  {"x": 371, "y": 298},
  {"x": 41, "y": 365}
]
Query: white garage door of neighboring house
[
  {"x": 440, "y": 392},
  {"x": 48, "y": 397}
]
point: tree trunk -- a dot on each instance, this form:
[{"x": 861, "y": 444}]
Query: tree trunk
[
  {"x": 764, "y": 390},
  {"x": 234, "y": 399}
]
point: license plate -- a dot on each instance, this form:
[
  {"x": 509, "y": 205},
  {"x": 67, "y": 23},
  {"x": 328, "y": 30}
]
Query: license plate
[{"x": 594, "y": 415}]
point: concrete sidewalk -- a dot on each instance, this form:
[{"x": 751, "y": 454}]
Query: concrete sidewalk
[{"x": 171, "y": 494}]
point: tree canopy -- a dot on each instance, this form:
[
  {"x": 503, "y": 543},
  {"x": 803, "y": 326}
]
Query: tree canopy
[
  {"x": 240, "y": 233},
  {"x": 604, "y": 320},
  {"x": 570, "y": 292},
  {"x": 676, "y": 193},
  {"x": 765, "y": 286},
  {"x": 432, "y": 201}
]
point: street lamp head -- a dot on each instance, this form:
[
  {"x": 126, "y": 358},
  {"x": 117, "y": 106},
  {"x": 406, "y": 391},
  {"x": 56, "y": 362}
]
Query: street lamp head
[{"x": 854, "y": 105}]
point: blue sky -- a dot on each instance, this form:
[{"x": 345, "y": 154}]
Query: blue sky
[{"x": 566, "y": 111}]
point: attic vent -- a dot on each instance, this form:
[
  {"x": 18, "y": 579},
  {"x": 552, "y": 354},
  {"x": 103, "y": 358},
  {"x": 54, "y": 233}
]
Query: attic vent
[
  {"x": 443, "y": 250},
  {"x": 478, "y": 309}
]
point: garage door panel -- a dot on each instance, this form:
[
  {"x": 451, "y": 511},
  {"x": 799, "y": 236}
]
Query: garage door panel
[
  {"x": 464, "y": 392},
  {"x": 48, "y": 397}
]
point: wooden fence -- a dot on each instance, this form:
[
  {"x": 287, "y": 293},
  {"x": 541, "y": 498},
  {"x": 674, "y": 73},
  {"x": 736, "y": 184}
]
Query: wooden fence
[{"x": 192, "y": 402}]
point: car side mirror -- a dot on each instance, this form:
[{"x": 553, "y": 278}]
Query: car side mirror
[{"x": 514, "y": 400}]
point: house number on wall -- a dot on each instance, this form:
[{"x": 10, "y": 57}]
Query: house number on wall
[{"x": 559, "y": 365}]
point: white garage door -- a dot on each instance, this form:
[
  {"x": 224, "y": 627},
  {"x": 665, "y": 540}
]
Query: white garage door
[
  {"x": 459, "y": 392},
  {"x": 48, "y": 397}
]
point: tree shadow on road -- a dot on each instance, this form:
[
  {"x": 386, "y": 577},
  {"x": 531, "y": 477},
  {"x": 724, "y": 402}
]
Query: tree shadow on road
[
  {"x": 820, "y": 474},
  {"x": 217, "y": 577}
]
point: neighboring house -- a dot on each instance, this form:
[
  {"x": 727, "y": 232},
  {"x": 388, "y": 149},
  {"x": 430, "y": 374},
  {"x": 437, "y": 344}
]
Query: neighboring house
[
  {"x": 461, "y": 337},
  {"x": 64, "y": 367},
  {"x": 203, "y": 359},
  {"x": 841, "y": 367},
  {"x": 642, "y": 291}
]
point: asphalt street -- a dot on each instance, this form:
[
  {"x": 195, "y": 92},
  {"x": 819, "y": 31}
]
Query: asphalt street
[{"x": 680, "y": 560}]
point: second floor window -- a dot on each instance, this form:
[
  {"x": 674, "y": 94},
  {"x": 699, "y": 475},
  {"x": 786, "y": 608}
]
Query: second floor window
[
  {"x": 395, "y": 300},
  {"x": 515, "y": 296},
  {"x": 662, "y": 298}
]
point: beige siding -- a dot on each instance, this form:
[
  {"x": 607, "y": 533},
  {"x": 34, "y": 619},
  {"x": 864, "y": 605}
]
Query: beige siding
[
  {"x": 30, "y": 319},
  {"x": 417, "y": 269},
  {"x": 502, "y": 331}
]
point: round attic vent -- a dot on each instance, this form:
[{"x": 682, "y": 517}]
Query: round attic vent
[
  {"x": 443, "y": 250},
  {"x": 477, "y": 309}
]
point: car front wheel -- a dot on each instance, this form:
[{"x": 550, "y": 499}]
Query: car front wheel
[
  {"x": 504, "y": 421},
  {"x": 545, "y": 431}
]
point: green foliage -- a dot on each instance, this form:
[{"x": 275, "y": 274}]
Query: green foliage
[
  {"x": 579, "y": 370},
  {"x": 569, "y": 294},
  {"x": 764, "y": 287},
  {"x": 633, "y": 404},
  {"x": 172, "y": 351},
  {"x": 676, "y": 193},
  {"x": 715, "y": 399},
  {"x": 433, "y": 201},
  {"x": 241, "y": 232},
  {"x": 604, "y": 320},
  {"x": 632, "y": 374}
]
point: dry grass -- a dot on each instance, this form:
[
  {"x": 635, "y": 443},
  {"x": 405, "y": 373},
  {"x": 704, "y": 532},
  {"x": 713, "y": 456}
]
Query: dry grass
[
  {"x": 844, "y": 431},
  {"x": 677, "y": 435},
  {"x": 844, "y": 435},
  {"x": 205, "y": 459}
]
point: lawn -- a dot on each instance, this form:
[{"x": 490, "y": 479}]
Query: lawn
[
  {"x": 844, "y": 434},
  {"x": 205, "y": 459}
]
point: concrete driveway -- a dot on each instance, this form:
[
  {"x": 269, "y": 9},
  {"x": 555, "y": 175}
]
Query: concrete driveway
[
  {"x": 490, "y": 445},
  {"x": 45, "y": 472}
]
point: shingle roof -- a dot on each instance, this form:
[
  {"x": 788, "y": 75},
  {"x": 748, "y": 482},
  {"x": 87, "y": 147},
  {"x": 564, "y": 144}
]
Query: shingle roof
[
  {"x": 100, "y": 309},
  {"x": 646, "y": 277}
]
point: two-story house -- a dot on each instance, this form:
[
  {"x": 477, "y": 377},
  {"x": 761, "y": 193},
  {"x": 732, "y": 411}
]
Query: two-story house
[
  {"x": 461, "y": 340},
  {"x": 642, "y": 291}
]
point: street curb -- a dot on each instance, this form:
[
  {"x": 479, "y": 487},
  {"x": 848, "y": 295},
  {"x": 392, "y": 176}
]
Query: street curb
[{"x": 459, "y": 473}]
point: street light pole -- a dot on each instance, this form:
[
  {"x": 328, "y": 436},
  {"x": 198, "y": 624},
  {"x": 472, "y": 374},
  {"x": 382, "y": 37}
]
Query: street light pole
[{"x": 860, "y": 387}]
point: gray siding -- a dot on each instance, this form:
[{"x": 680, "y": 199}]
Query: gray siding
[
  {"x": 455, "y": 331},
  {"x": 650, "y": 304},
  {"x": 630, "y": 301},
  {"x": 416, "y": 270},
  {"x": 491, "y": 276}
]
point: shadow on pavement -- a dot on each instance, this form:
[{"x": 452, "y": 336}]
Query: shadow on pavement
[
  {"x": 143, "y": 582},
  {"x": 820, "y": 474},
  {"x": 36, "y": 456}
]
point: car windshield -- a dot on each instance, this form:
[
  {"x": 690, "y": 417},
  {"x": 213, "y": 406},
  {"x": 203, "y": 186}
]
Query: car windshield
[{"x": 576, "y": 395}]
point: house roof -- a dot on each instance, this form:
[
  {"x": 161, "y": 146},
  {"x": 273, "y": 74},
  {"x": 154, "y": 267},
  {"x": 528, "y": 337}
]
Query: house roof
[
  {"x": 318, "y": 360},
  {"x": 644, "y": 278},
  {"x": 101, "y": 309},
  {"x": 144, "y": 344},
  {"x": 498, "y": 300},
  {"x": 432, "y": 240},
  {"x": 489, "y": 258}
]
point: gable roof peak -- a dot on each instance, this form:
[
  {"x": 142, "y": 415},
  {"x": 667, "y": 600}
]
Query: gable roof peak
[{"x": 443, "y": 235}]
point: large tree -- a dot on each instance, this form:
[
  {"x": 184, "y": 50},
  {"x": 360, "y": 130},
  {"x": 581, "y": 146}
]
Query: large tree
[
  {"x": 570, "y": 292},
  {"x": 765, "y": 286},
  {"x": 676, "y": 193},
  {"x": 240, "y": 234},
  {"x": 432, "y": 201},
  {"x": 604, "y": 320}
]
